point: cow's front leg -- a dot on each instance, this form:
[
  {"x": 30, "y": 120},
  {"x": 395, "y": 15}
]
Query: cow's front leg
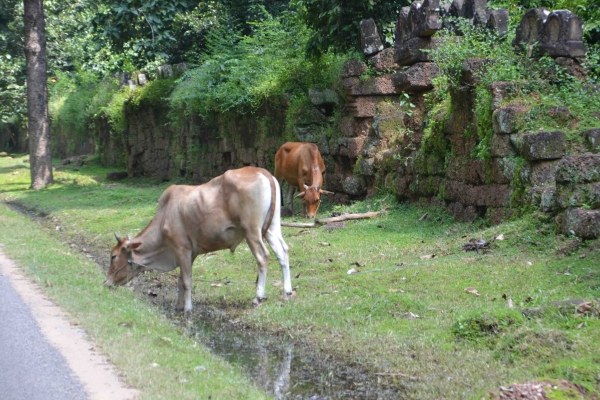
[
  {"x": 184, "y": 283},
  {"x": 290, "y": 196}
]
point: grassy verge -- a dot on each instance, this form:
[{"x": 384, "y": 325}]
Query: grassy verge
[
  {"x": 146, "y": 348},
  {"x": 405, "y": 312}
]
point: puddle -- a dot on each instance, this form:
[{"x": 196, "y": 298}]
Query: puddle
[{"x": 287, "y": 370}]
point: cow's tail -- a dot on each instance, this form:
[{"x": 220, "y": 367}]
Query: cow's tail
[{"x": 269, "y": 219}]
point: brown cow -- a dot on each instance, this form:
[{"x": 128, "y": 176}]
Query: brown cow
[
  {"x": 193, "y": 220},
  {"x": 301, "y": 166}
]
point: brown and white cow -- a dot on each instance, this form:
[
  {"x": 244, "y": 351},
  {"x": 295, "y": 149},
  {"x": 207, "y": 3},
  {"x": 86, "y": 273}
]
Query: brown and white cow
[
  {"x": 193, "y": 220},
  {"x": 301, "y": 166}
]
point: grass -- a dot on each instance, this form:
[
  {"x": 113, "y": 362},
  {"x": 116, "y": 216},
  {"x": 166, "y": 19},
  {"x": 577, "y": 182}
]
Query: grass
[{"x": 404, "y": 312}]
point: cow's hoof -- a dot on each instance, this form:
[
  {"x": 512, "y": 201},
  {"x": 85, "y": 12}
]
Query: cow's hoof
[
  {"x": 258, "y": 301},
  {"x": 290, "y": 295}
]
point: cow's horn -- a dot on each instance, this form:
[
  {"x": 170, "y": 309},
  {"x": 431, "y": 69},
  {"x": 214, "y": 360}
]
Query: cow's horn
[
  {"x": 300, "y": 195},
  {"x": 305, "y": 187},
  {"x": 129, "y": 238},
  {"x": 326, "y": 192},
  {"x": 119, "y": 239}
]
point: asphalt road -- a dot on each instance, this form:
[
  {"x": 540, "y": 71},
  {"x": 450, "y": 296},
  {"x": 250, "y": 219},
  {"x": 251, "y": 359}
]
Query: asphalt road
[{"x": 30, "y": 368}]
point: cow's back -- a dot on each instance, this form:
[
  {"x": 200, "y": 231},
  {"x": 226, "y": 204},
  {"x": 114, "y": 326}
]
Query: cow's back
[{"x": 298, "y": 159}]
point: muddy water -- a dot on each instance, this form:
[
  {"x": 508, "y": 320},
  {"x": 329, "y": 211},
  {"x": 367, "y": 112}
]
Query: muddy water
[{"x": 287, "y": 370}]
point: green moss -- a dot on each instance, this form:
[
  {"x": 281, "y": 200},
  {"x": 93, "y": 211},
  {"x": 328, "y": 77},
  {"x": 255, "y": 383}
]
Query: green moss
[
  {"x": 154, "y": 94},
  {"x": 484, "y": 324}
]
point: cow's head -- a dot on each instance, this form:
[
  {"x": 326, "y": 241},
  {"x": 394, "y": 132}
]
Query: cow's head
[
  {"x": 122, "y": 268},
  {"x": 311, "y": 200}
]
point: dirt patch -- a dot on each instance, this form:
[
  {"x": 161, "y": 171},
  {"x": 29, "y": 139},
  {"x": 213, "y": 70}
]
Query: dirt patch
[
  {"x": 541, "y": 390},
  {"x": 97, "y": 375}
]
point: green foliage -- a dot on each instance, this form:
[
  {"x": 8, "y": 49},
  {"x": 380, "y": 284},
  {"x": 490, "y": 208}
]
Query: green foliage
[
  {"x": 335, "y": 23},
  {"x": 483, "y": 324},
  {"x": 538, "y": 82},
  {"x": 153, "y": 94},
  {"x": 241, "y": 72}
]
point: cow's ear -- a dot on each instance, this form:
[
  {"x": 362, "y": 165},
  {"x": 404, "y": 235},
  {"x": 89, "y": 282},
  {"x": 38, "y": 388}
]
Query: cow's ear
[
  {"x": 300, "y": 195},
  {"x": 133, "y": 245},
  {"x": 119, "y": 239}
]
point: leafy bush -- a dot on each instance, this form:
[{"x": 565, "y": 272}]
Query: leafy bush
[
  {"x": 240, "y": 72},
  {"x": 538, "y": 82}
]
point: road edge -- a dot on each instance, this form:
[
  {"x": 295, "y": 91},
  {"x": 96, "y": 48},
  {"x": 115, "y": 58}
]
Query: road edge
[{"x": 95, "y": 372}]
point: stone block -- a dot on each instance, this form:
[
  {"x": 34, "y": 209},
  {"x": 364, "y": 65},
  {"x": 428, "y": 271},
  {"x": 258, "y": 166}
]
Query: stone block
[
  {"x": 414, "y": 50},
  {"x": 503, "y": 169},
  {"x": 323, "y": 97},
  {"x": 562, "y": 35},
  {"x": 471, "y": 68},
  {"x": 116, "y": 175},
  {"x": 592, "y": 139},
  {"x": 417, "y": 78},
  {"x": 354, "y": 186},
  {"x": 501, "y": 91},
  {"x": 548, "y": 199},
  {"x": 466, "y": 169},
  {"x": 375, "y": 86},
  {"x": 348, "y": 83},
  {"x": 498, "y": 21},
  {"x": 348, "y": 146},
  {"x": 366, "y": 167},
  {"x": 509, "y": 118},
  {"x": 164, "y": 71},
  {"x": 353, "y": 68},
  {"x": 369, "y": 37},
  {"x": 366, "y": 106},
  {"x": 543, "y": 173},
  {"x": 570, "y": 195},
  {"x": 421, "y": 19},
  {"x": 540, "y": 145},
  {"x": 142, "y": 79},
  {"x": 384, "y": 61},
  {"x": 583, "y": 168},
  {"x": 530, "y": 29},
  {"x": 497, "y": 215},
  {"x": 501, "y": 146},
  {"x": 462, "y": 213},
  {"x": 584, "y": 224},
  {"x": 179, "y": 69},
  {"x": 391, "y": 128}
]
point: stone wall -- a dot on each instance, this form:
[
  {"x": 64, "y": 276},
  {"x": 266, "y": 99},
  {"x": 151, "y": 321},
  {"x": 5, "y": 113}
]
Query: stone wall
[{"x": 387, "y": 138}]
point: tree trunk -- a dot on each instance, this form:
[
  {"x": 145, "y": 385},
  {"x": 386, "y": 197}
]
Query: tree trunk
[{"x": 40, "y": 156}]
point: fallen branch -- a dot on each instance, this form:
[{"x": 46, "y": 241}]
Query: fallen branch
[
  {"x": 343, "y": 217},
  {"x": 396, "y": 374}
]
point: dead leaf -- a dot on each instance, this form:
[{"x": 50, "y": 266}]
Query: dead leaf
[
  {"x": 580, "y": 325},
  {"x": 504, "y": 296},
  {"x": 277, "y": 283},
  {"x": 567, "y": 271},
  {"x": 584, "y": 307},
  {"x": 427, "y": 256},
  {"x": 424, "y": 217},
  {"x": 413, "y": 316},
  {"x": 352, "y": 271},
  {"x": 472, "y": 291},
  {"x": 216, "y": 284},
  {"x": 357, "y": 264},
  {"x": 302, "y": 232},
  {"x": 500, "y": 237},
  {"x": 396, "y": 291},
  {"x": 529, "y": 263},
  {"x": 324, "y": 244},
  {"x": 509, "y": 303}
]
